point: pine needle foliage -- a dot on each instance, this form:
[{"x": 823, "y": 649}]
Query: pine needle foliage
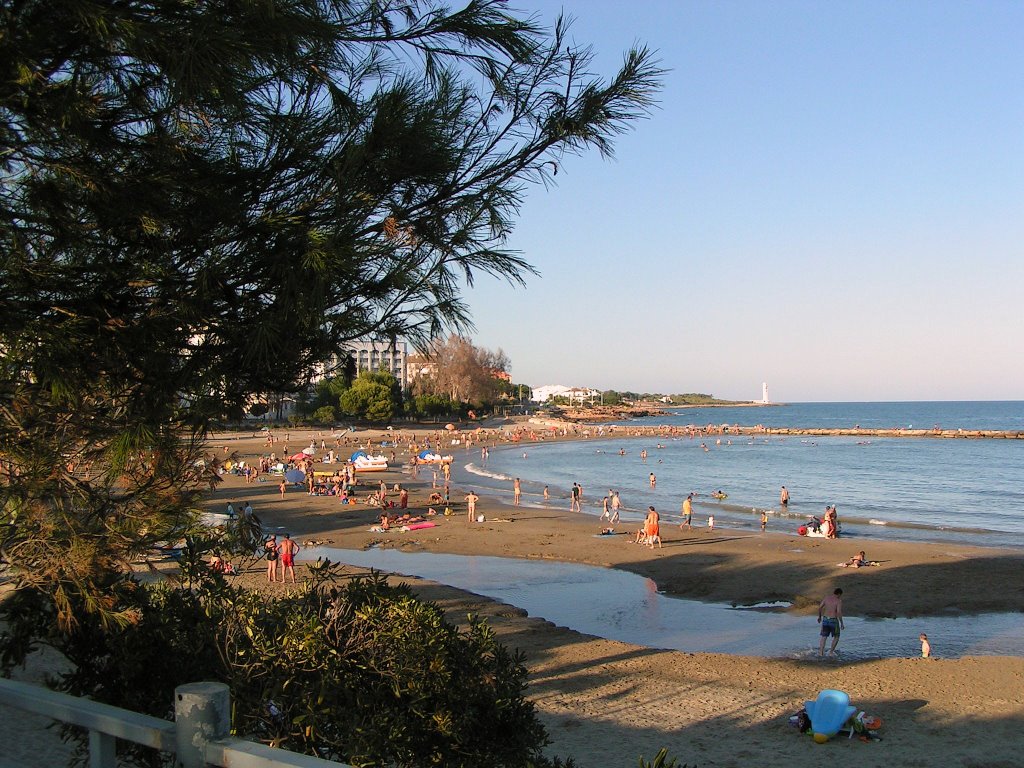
[{"x": 201, "y": 201}]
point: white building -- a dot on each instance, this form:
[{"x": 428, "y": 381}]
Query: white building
[
  {"x": 573, "y": 394},
  {"x": 582, "y": 395},
  {"x": 373, "y": 356},
  {"x": 545, "y": 393}
]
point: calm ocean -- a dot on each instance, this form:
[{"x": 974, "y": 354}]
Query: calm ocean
[{"x": 911, "y": 489}]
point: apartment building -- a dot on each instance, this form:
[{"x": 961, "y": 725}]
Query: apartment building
[{"x": 375, "y": 355}]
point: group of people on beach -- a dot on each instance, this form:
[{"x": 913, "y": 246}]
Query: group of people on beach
[
  {"x": 285, "y": 551},
  {"x": 650, "y": 532},
  {"x": 830, "y": 617},
  {"x": 280, "y": 555}
]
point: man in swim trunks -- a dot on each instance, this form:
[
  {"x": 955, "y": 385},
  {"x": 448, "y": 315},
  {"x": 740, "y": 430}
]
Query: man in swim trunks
[
  {"x": 616, "y": 505},
  {"x": 830, "y": 616},
  {"x": 288, "y": 550},
  {"x": 652, "y": 526},
  {"x": 471, "y": 500}
]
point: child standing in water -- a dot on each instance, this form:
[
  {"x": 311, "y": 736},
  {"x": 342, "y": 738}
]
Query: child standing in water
[{"x": 711, "y": 522}]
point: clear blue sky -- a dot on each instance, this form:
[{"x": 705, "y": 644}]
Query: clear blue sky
[{"x": 830, "y": 198}]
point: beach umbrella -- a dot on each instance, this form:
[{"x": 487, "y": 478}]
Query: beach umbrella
[
  {"x": 294, "y": 475},
  {"x": 298, "y": 456},
  {"x": 309, "y": 451}
]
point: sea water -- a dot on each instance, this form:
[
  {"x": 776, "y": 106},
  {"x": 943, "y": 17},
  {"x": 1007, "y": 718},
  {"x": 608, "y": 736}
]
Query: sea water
[{"x": 961, "y": 490}]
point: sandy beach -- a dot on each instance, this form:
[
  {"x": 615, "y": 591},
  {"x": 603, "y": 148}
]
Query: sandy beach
[{"x": 605, "y": 703}]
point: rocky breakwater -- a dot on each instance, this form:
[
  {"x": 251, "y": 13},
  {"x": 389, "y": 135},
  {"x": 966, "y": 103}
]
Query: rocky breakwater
[
  {"x": 976, "y": 434},
  {"x": 599, "y": 413}
]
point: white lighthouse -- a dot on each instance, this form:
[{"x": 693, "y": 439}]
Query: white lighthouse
[{"x": 764, "y": 392}]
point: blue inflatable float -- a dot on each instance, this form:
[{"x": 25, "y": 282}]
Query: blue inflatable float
[{"x": 829, "y": 712}]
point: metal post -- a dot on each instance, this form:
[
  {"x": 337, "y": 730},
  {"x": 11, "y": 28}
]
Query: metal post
[
  {"x": 202, "y": 713},
  {"x": 102, "y": 750}
]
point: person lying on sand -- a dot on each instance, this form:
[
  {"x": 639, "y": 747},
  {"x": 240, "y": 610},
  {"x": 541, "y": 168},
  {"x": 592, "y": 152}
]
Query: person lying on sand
[{"x": 858, "y": 561}]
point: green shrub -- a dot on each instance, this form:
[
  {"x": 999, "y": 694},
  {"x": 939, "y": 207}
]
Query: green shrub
[
  {"x": 325, "y": 414},
  {"x": 363, "y": 673}
]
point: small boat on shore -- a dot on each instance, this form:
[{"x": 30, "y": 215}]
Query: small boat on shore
[
  {"x": 816, "y": 529},
  {"x": 426, "y": 457},
  {"x": 365, "y": 463}
]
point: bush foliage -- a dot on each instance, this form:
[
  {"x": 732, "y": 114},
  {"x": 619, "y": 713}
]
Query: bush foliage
[{"x": 348, "y": 669}]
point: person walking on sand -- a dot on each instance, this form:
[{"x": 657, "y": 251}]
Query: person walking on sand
[
  {"x": 606, "y": 512},
  {"x": 616, "y": 506},
  {"x": 288, "y": 549},
  {"x": 830, "y": 616},
  {"x": 574, "y": 504},
  {"x": 283, "y": 487},
  {"x": 784, "y": 497},
  {"x": 517, "y": 491},
  {"x": 687, "y": 513},
  {"x": 471, "y": 500}
]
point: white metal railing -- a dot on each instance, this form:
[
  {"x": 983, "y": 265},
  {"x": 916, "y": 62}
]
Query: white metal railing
[{"x": 199, "y": 735}]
